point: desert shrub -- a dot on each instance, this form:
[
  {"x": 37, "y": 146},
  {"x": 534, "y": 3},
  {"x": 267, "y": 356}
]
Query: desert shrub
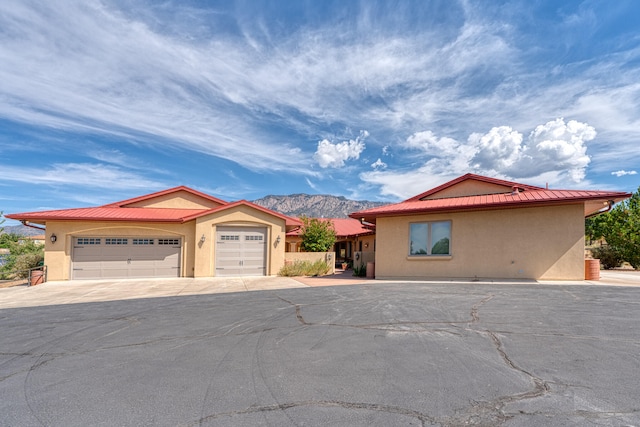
[
  {"x": 24, "y": 262},
  {"x": 360, "y": 270},
  {"x": 609, "y": 256},
  {"x": 304, "y": 268}
]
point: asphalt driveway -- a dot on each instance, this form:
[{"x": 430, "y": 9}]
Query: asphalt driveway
[{"x": 377, "y": 353}]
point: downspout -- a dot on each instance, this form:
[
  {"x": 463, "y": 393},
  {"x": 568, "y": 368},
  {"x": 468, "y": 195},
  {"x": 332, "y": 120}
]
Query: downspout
[
  {"x": 26, "y": 224},
  {"x": 603, "y": 210}
]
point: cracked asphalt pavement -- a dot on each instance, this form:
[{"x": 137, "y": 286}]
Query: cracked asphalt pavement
[{"x": 389, "y": 354}]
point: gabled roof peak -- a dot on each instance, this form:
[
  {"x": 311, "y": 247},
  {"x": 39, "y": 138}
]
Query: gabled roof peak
[
  {"x": 510, "y": 186},
  {"x": 124, "y": 203}
]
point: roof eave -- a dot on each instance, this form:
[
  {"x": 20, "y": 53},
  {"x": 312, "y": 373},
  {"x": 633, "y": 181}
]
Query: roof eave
[{"x": 370, "y": 217}]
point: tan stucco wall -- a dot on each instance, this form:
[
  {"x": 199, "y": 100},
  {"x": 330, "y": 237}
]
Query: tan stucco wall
[
  {"x": 327, "y": 257},
  {"x": 469, "y": 188},
  {"x": 529, "y": 243},
  {"x": 179, "y": 200},
  {"x": 243, "y": 216},
  {"x": 57, "y": 256},
  {"x": 197, "y": 260}
]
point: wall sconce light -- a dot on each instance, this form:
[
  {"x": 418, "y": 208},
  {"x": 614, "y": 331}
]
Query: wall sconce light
[
  {"x": 203, "y": 238},
  {"x": 278, "y": 240},
  {"x": 53, "y": 238},
  {"x": 366, "y": 245}
]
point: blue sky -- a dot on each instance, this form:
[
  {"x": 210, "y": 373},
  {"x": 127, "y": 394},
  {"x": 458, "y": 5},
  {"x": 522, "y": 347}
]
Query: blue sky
[{"x": 105, "y": 100}]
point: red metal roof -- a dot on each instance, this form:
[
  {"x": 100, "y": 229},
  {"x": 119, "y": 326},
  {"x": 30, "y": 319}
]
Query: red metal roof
[
  {"x": 109, "y": 214},
  {"x": 525, "y": 196},
  {"x": 119, "y": 212},
  {"x": 344, "y": 227}
]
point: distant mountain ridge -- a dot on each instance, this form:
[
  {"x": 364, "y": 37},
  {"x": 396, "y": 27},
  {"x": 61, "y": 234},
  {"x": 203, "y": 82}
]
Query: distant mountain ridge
[
  {"x": 315, "y": 205},
  {"x": 22, "y": 230}
]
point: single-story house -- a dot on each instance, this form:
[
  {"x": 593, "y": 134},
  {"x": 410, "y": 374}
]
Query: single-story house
[
  {"x": 480, "y": 227},
  {"x": 351, "y": 237},
  {"x": 179, "y": 232}
]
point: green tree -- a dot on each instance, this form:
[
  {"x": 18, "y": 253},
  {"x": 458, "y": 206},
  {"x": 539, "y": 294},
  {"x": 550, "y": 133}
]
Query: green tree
[
  {"x": 623, "y": 230},
  {"x": 317, "y": 235},
  {"x": 620, "y": 227},
  {"x": 23, "y": 253}
]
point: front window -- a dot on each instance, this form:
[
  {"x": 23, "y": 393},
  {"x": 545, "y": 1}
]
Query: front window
[{"x": 430, "y": 238}]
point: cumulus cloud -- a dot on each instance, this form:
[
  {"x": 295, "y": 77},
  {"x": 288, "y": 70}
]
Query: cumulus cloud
[
  {"x": 623, "y": 173},
  {"x": 379, "y": 164},
  {"x": 334, "y": 155},
  {"x": 554, "y": 152},
  {"x": 555, "y": 147}
]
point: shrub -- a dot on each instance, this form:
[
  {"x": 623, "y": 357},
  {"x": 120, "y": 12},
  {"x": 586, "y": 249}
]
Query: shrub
[
  {"x": 305, "y": 268},
  {"x": 609, "y": 256},
  {"x": 360, "y": 270}
]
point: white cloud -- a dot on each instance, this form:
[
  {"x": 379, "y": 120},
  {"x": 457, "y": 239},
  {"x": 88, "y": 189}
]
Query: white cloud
[
  {"x": 623, "y": 173},
  {"x": 498, "y": 149},
  {"x": 557, "y": 146},
  {"x": 334, "y": 155},
  {"x": 555, "y": 152},
  {"x": 87, "y": 175},
  {"x": 379, "y": 164}
]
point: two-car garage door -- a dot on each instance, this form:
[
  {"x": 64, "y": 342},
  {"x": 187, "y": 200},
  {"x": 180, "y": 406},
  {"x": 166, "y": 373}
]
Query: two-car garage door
[{"x": 125, "y": 257}]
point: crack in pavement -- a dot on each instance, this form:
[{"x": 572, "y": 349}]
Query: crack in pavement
[
  {"x": 396, "y": 410},
  {"x": 488, "y": 413}
]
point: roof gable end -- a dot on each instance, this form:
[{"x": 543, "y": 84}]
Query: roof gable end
[
  {"x": 471, "y": 185},
  {"x": 177, "y": 197}
]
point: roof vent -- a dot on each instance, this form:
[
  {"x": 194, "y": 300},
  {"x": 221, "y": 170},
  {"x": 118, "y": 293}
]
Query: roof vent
[{"x": 515, "y": 190}]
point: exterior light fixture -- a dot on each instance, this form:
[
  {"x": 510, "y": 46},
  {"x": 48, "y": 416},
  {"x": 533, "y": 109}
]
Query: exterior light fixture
[
  {"x": 53, "y": 238},
  {"x": 277, "y": 240},
  {"x": 203, "y": 238}
]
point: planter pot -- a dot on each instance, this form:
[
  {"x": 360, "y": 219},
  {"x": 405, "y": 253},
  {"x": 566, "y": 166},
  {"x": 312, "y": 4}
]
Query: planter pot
[
  {"x": 37, "y": 277},
  {"x": 591, "y": 269}
]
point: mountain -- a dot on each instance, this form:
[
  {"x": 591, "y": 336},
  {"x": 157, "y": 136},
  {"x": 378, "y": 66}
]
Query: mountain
[
  {"x": 316, "y": 206},
  {"x": 22, "y": 230}
]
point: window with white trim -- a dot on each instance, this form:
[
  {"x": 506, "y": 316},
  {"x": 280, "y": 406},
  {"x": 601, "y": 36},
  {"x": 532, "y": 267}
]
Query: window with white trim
[
  {"x": 430, "y": 238},
  {"x": 228, "y": 238}
]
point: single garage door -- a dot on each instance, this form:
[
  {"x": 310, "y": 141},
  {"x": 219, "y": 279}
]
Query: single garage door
[
  {"x": 125, "y": 257},
  {"x": 241, "y": 251}
]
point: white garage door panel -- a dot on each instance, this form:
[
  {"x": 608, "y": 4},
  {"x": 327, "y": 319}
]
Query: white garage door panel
[
  {"x": 241, "y": 251},
  {"x": 125, "y": 257}
]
